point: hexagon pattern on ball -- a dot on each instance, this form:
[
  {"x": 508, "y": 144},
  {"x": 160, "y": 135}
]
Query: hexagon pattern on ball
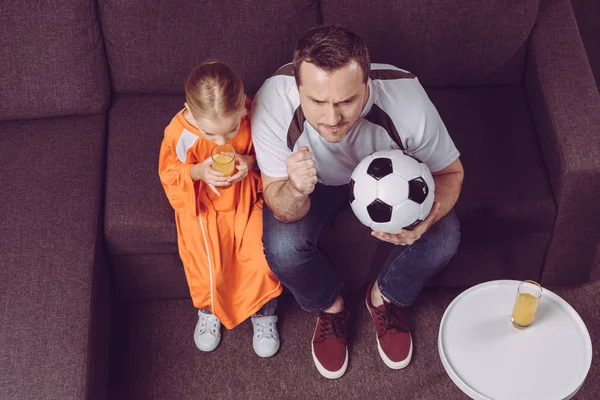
[
  {"x": 407, "y": 167},
  {"x": 426, "y": 174},
  {"x": 361, "y": 213},
  {"x": 428, "y": 203},
  {"x": 362, "y": 166},
  {"x": 390, "y": 191},
  {"x": 403, "y": 215},
  {"x": 368, "y": 189},
  {"x": 389, "y": 153}
]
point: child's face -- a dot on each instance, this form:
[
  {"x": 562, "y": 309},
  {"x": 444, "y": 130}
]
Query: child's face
[{"x": 219, "y": 131}]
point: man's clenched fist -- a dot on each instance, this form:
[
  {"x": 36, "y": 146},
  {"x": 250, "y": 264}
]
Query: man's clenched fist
[{"x": 302, "y": 172}]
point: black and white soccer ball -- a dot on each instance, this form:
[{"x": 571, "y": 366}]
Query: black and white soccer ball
[{"x": 390, "y": 190}]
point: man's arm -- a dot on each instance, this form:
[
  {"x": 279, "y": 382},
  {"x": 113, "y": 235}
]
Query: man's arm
[
  {"x": 286, "y": 203},
  {"x": 288, "y": 197},
  {"x": 448, "y": 183}
]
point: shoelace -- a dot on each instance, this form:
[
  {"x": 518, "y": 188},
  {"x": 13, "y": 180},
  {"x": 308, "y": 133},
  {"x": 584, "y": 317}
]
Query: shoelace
[
  {"x": 265, "y": 330},
  {"x": 209, "y": 323},
  {"x": 390, "y": 318},
  {"x": 332, "y": 325}
]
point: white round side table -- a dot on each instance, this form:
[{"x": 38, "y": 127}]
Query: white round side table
[{"x": 489, "y": 359}]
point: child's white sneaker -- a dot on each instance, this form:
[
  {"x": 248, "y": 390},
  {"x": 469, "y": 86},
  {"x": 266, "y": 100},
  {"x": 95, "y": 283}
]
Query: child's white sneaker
[
  {"x": 266, "y": 339},
  {"x": 207, "y": 334}
]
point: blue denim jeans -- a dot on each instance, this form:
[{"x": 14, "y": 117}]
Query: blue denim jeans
[{"x": 295, "y": 259}]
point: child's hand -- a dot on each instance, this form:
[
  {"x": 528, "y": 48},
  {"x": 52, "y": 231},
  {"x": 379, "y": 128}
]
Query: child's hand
[
  {"x": 203, "y": 171},
  {"x": 242, "y": 164}
]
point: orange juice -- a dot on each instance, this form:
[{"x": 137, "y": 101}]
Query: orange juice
[
  {"x": 524, "y": 310},
  {"x": 224, "y": 163}
]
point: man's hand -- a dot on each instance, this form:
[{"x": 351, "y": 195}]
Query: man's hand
[
  {"x": 406, "y": 237},
  {"x": 242, "y": 164},
  {"x": 203, "y": 171},
  {"x": 302, "y": 171}
]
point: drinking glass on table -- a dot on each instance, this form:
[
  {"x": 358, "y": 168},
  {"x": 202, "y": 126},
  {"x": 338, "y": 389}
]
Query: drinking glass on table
[{"x": 526, "y": 303}]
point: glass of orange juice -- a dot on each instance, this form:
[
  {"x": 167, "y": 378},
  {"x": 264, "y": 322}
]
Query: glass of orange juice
[
  {"x": 223, "y": 159},
  {"x": 526, "y": 303}
]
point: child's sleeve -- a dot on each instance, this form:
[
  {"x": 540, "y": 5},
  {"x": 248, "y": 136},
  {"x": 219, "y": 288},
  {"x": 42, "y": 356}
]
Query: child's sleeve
[{"x": 176, "y": 178}]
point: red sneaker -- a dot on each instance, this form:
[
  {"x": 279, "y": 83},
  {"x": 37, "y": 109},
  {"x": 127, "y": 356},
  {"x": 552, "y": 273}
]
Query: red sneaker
[
  {"x": 394, "y": 341},
  {"x": 329, "y": 344}
]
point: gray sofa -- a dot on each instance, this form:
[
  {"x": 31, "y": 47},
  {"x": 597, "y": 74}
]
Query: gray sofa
[{"x": 88, "y": 252}]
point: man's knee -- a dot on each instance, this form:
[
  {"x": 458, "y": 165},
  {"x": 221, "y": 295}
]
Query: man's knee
[
  {"x": 287, "y": 246},
  {"x": 283, "y": 248},
  {"x": 407, "y": 269},
  {"x": 445, "y": 236}
]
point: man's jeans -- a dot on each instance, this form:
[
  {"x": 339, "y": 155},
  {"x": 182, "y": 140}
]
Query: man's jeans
[{"x": 293, "y": 256}]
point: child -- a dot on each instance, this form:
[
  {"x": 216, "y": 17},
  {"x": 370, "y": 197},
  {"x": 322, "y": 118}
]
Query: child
[{"x": 219, "y": 219}]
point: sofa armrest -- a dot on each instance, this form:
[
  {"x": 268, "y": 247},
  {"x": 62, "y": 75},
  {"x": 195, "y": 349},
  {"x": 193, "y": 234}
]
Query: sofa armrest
[
  {"x": 565, "y": 106},
  {"x": 54, "y": 281}
]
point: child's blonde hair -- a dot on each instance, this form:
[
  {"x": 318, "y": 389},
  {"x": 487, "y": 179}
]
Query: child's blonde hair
[{"x": 213, "y": 90}]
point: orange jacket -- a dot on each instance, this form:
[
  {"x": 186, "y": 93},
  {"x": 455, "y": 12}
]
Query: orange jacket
[{"x": 219, "y": 238}]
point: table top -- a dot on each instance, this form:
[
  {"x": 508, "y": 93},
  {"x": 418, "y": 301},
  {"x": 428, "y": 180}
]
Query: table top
[{"x": 487, "y": 358}]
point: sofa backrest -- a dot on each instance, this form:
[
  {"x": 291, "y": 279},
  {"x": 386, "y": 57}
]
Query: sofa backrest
[
  {"x": 52, "y": 59},
  {"x": 152, "y": 48},
  {"x": 444, "y": 42}
]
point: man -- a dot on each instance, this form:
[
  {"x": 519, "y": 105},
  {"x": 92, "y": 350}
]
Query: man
[{"x": 312, "y": 123}]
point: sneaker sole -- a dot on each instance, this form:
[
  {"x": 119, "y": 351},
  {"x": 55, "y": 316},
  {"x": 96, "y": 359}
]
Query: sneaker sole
[
  {"x": 322, "y": 370},
  {"x": 266, "y": 355},
  {"x": 326, "y": 373},
  {"x": 207, "y": 349},
  {"x": 391, "y": 364}
]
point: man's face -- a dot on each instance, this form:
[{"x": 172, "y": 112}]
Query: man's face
[{"x": 332, "y": 102}]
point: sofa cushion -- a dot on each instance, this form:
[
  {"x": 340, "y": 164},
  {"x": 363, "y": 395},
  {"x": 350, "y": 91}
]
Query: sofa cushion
[
  {"x": 445, "y": 43},
  {"x": 138, "y": 216},
  {"x": 51, "y": 180},
  {"x": 506, "y": 208},
  {"x": 254, "y": 37},
  {"x": 149, "y": 276},
  {"x": 52, "y": 60},
  {"x": 506, "y": 188}
]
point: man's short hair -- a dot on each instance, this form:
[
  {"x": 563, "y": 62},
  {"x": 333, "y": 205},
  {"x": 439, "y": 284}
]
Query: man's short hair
[{"x": 330, "y": 47}]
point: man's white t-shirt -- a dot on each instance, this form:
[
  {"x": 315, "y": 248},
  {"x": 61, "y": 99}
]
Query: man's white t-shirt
[{"x": 397, "y": 115}]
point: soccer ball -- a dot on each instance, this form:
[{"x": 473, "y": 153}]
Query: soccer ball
[{"x": 390, "y": 190}]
